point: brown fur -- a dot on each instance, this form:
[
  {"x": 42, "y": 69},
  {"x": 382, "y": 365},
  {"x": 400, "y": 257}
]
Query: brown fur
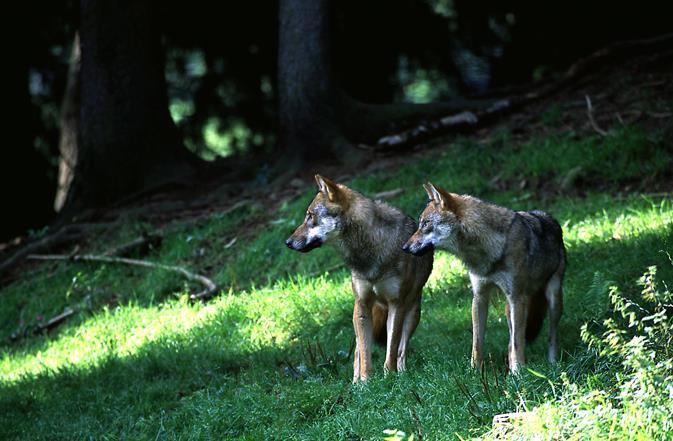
[
  {"x": 519, "y": 253},
  {"x": 387, "y": 283}
]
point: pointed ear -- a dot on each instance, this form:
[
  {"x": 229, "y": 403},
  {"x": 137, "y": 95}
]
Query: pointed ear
[
  {"x": 448, "y": 201},
  {"x": 432, "y": 192},
  {"x": 327, "y": 187}
]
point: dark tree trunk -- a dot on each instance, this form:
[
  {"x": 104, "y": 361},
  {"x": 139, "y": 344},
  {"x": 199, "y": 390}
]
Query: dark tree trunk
[
  {"x": 127, "y": 140},
  {"x": 307, "y": 96}
]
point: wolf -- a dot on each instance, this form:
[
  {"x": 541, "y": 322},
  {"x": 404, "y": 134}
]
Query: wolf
[
  {"x": 519, "y": 252},
  {"x": 387, "y": 283}
]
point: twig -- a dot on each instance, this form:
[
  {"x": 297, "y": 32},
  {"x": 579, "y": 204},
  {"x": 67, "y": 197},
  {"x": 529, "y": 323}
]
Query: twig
[
  {"x": 592, "y": 121},
  {"x": 56, "y": 320},
  {"x": 389, "y": 194},
  {"x": 147, "y": 239},
  {"x": 211, "y": 287},
  {"x": 419, "y": 426}
]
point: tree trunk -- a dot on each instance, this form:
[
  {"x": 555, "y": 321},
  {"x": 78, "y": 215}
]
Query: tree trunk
[
  {"x": 307, "y": 97},
  {"x": 127, "y": 139},
  {"x": 67, "y": 145}
]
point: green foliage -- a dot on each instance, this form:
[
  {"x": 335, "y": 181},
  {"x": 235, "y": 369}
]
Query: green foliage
[
  {"x": 269, "y": 357},
  {"x": 633, "y": 395}
]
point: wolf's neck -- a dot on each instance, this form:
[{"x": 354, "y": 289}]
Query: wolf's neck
[
  {"x": 479, "y": 245},
  {"x": 367, "y": 241}
]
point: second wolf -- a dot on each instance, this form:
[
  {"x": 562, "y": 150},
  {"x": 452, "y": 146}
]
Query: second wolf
[
  {"x": 386, "y": 282},
  {"x": 521, "y": 253}
]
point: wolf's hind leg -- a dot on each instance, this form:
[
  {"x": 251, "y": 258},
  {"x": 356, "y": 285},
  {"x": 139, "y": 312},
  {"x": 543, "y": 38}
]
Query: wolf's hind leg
[
  {"x": 411, "y": 319},
  {"x": 554, "y": 294},
  {"x": 518, "y": 308},
  {"x": 396, "y": 316}
]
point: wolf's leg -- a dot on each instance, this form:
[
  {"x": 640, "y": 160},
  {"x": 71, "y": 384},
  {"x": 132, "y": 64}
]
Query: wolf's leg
[
  {"x": 364, "y": 331},
  {"x": 411, "y": 319},
  {"x": 363, "y": 324},
  {"x": 395, "y": 322},
  {"x": 518, "y": 309},
  {"x": 356, "y": 351},
  {"x": 554, "y": 294},
  {"x": 481, "y": 292}
]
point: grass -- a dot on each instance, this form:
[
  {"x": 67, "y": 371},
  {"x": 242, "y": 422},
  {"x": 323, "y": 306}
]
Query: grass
[{"x": 268, "y": 358}]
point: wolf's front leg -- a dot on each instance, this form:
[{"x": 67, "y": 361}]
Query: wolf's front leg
[
  {"x": 481, "y": 293},
  {"x": 356, "y": 358},
  {"x": 364, "y": 335}
]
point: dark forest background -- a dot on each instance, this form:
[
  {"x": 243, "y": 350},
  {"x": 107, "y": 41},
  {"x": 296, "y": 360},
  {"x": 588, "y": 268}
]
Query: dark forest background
[{"x": 166, "y": 92}]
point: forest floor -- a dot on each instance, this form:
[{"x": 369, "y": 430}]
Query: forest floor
[{"x": 268, "y": 357}]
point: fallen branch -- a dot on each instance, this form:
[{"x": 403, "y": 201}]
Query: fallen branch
[
  {"x": 55, "y": 321},
  {"x": 472, "y": 120},
  {"x": 64, "y": 235},
  {"x": 46, "y": 326},
  {"x": 592, "y": 121},
  {"x": 147, "y": 240},
  {"x": 207, "y": 293}
]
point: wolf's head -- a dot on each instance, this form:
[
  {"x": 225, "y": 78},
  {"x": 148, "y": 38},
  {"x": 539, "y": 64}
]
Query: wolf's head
[
  {"x": 438, "y": 223},
  {"x": 324, "y": 217}
]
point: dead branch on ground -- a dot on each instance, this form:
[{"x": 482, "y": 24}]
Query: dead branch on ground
[
  {"x": 469, "y": 121},
  {"x": 592, "y": 121},
  {"x": 208, "y": 292},
  {"x": 64, "y": 235}
]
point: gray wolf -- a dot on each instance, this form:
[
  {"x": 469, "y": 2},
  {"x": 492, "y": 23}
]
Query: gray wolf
[
  {"x": 386, "y": 282},
  {"x": 521, "y": 253}
]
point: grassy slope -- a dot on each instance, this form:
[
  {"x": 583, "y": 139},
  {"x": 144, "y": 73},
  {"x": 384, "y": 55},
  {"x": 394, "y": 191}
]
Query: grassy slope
[{"x": 149, "y": 365}]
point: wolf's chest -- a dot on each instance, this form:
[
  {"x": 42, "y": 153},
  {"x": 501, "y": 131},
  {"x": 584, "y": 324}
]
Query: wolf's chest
[{"x": 383, "y": 290}]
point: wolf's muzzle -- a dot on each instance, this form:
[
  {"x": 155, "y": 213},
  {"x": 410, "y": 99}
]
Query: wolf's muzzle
[
  {"x": 302, "y": 246},
  {"x": 417, "y": 250}
]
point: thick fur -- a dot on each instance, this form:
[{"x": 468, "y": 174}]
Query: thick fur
[
  {"x": 520, "y": 253},
  {"x": 387, "y": 282}
]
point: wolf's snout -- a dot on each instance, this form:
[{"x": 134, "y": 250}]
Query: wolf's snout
[
  {"x": 415, "y": 249},
  {"x": 289, "y": 243}
]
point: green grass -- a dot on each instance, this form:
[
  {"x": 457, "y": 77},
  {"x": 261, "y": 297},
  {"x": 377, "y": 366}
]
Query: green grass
[{"x": 268, "y": 357}]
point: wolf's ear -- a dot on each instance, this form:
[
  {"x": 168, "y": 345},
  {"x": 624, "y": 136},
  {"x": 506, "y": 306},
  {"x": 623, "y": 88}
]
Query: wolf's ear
[
  {"x": 448, "y": 201},
  {"x": 430, "y": 190},
  {"x": 328, "y": 188}
]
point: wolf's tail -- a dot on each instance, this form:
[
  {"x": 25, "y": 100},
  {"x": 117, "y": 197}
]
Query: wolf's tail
[
  {"x": 537, "y": 308},
  {"x": 379, "y": 319}
]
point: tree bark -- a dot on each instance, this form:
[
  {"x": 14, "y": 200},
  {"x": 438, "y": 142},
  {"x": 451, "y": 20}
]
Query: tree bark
[
  {"x": 127, "y": 139},
  {"x": 67, "y": 145},
  {"x": 307, "y": 96}
]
